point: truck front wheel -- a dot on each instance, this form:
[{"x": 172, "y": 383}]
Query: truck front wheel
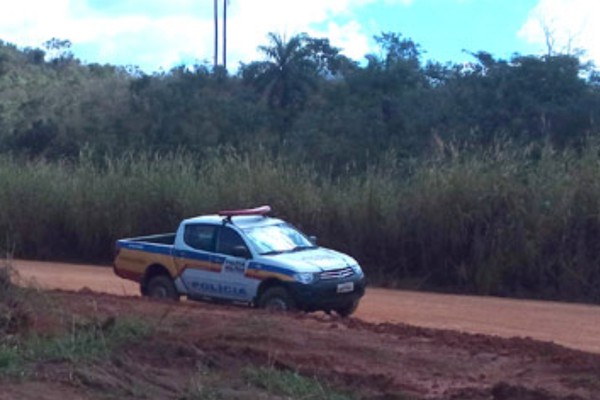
[
  {"x": 162, "y": 287},
  {"x": 276, "y": 298},
  {"x": 347, "y": 309}
]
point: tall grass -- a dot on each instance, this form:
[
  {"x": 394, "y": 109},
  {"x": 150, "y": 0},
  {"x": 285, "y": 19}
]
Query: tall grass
[{"x": 519, "y": 222}]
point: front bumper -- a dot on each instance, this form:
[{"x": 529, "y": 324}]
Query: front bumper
[{"x": 323, "y": 295}]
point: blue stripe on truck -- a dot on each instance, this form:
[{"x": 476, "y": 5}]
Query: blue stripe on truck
[
  {"x": 193, "y": 255},
  {"x": 270, "y": 268},
  {"x": 170, "y": 251},
  {"x": 150, "y": 248}
]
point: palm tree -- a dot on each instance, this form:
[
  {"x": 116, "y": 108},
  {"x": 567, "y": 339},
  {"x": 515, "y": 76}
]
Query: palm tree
[
  {"x": 287, "y": 75},
  {"x": 285, "y": 79}
]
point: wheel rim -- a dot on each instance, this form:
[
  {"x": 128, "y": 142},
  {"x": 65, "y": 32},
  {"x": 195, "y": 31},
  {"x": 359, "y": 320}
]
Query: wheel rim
[
  {"x": 276, "y": 304},
  {"x": 159, "y": 292}
]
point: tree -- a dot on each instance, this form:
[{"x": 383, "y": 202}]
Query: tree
[
  {"x": 398, "y": 50},
  {"x": 290, "y": 73},
  {"x": 287, "y": 74},
  {"x": 59, "y": 50}
]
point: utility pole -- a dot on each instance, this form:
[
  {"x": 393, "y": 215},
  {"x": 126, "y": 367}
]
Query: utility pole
[
  {"x": 225, "y": 34},
  {"x": 216, "y": 33}
]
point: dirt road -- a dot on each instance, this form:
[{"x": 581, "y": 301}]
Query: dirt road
[{"x": 572, "y": 325}]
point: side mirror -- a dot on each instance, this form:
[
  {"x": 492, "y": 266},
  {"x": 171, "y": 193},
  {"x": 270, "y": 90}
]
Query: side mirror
[
  {"x": 313, "y": 239},
  {"x": 241, "y": 252}
]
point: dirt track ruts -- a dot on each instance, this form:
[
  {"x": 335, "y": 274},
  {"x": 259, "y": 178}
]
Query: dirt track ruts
[{"x": 572, "y": 325}]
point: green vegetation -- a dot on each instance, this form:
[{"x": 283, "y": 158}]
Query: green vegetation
[
  {"x": 506, "y": 222},
  {"x": 89, "y": 340},
  {"x": 11, "y": 361},
  {"x": 304, "y": 99},
  {"x": 290, "y": 384},
  {"x": 476, "y": 178},
  {"x": 84, "y": 342},
  {"x": 16, "y": 303}
]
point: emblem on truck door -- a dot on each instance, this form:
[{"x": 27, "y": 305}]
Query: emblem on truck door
[{"x": 234, "y": 267}]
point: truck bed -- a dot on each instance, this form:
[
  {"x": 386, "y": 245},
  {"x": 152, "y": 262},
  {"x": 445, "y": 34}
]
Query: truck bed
[
  {"x": 163, "y": 238},
  {"x": 135, "y": 254}
]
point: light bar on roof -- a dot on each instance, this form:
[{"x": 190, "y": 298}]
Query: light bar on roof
[{"x": 262, "y": 210}]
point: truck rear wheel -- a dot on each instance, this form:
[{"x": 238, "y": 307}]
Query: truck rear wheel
[
  {"x": 277, "y": 298},
  {"x": 162, "y": 287}
]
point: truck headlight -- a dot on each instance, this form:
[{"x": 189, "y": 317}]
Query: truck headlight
[
  {"x": 357, "y": 270},
  {"x": 305, "y": 277}
]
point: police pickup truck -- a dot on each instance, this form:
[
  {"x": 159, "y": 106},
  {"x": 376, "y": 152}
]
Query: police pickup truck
[{"x": 242, "y": 256}]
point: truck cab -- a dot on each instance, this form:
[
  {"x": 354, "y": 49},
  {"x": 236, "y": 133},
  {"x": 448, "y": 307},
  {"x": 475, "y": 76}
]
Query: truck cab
[{"x": 243, "y": 256}]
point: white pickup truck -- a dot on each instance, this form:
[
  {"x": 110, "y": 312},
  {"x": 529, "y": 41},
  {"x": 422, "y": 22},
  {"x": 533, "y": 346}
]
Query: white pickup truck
[{"x": 242, "y": 256}]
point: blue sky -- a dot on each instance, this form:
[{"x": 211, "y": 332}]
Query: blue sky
[
  {"x": 444, "y": 28},
  {"x": 156, "y": 34}
]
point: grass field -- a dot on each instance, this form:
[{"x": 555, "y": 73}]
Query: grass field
[{"x": 515, "y": 222}]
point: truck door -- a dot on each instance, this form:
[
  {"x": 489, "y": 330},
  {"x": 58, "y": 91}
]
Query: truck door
[
  {"x": 235, "y": 253},
  {"x": 196, "y": 259}
]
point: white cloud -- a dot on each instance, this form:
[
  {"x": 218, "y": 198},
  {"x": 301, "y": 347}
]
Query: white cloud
[
  {"x": 21, "y": 21},
  {"x": 570, "y": 23},
  {"x": 349, "y": 37},
  {"x": 159, "y": 33}
]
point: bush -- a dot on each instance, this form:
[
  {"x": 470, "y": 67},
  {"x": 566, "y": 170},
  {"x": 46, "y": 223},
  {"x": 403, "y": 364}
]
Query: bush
[{"x": 15, "y": 311}]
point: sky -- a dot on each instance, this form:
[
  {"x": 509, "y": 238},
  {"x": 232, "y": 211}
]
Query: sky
[{"x": 161, "y": 34}]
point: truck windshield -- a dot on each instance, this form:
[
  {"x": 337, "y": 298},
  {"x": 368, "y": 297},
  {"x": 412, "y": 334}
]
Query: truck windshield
[{"x": 276, "y": 239}]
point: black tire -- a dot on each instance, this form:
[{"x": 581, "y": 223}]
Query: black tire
[
  {"x": 276, "y": 298},
  {"x": 347, "y": 309},
  {"x": 161, "y": 287}
]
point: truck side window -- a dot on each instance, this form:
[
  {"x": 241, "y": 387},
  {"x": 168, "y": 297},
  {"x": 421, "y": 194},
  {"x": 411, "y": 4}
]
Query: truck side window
[
  {"x": 200, "y": 237},
  {"x": 228, "y": 240}
]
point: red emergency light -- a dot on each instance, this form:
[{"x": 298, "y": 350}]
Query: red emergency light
[{"x": 262, "y": 210}]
